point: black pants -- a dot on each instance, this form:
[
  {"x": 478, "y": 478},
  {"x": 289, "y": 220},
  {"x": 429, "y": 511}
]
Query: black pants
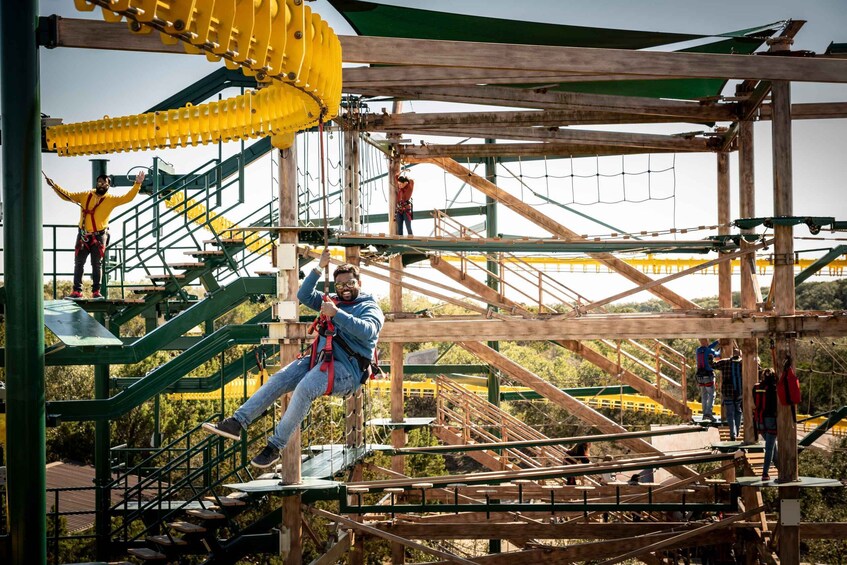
[{"x": 93, "y": 244}]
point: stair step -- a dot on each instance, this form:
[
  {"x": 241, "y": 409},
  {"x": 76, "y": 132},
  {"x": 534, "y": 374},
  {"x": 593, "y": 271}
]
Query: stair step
[
  {"x": 165, "y": 277},
  {"x": 167, "y": 541},
  {"x": 187, "y": 528},
  {"x": 225, "y": 501},
  {"x": 225, "y": 241},
  {"x": 206, "y": 514},
  {"x": 205, "y": 253},
  {"x": 146, "y": 554},
  {"x": 186, "y": 266},
  {"x": 145, "y": 289}
]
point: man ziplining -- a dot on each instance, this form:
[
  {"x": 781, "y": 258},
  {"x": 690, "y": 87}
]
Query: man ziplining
[
  {"x": 93, "y": 235},
  {"x": 339, "y": 363}
]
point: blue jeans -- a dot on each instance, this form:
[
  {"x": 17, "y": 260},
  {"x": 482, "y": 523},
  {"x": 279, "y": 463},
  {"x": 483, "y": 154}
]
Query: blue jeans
[
  {"x": 402, "y": 218},
  {"x": 770, "y": 444},
  {"x": 307, "y": 386},
  {"x": 732, "y": 414},
  {"x": 707, "y": 398}
]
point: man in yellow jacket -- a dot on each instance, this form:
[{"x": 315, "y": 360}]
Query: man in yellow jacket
[{"x": 96, "y": 206}]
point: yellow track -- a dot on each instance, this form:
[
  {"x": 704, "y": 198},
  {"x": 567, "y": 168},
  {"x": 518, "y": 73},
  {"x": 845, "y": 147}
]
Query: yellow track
[
  {"x": 198, "y": 214},
  {"x": 428, "y": 387},
  {"x": 274, "y": 40},
  {"x": 659, "y": 265}
]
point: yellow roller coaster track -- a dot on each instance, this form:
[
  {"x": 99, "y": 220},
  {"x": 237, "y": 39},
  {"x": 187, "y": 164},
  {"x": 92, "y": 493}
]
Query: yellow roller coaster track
[{"x": 280, "y": 42}]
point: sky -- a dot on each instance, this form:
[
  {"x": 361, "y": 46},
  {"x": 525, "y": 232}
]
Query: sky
[{"x": 80, "y": 85}]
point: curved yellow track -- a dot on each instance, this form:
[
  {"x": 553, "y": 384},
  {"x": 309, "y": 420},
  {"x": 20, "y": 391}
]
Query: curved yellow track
[{"x": 280, "y": 42}]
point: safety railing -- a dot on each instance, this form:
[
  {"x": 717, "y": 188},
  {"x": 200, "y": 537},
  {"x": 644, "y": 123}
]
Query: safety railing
[{"x": 198, "y": 204}]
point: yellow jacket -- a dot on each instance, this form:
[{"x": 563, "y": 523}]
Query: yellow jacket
[{"x": 95, "y": 212}]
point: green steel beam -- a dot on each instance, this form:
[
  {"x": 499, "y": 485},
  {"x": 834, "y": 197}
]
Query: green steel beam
[
  {"x": 205, "y": 88},
  {"x": 20, "y": 106},
  {"x": 835, "y": 417},
  {"x": 419, "y": 215},
  {"x": 575, "y": 392},
  {"x": 210, "y": 307},
  {"x": 157, "y": 380},
  {"x": 493, "y": 268},
  {"x": 828, "y": 258}
]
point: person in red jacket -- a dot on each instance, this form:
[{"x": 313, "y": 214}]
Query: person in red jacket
[{"x": 403, "y": 210}]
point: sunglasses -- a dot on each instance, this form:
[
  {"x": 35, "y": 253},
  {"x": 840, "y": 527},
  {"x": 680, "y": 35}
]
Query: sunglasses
[{"x": 349, "y": 284}]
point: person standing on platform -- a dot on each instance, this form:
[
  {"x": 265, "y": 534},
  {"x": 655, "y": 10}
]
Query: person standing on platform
[
  {"x": 731, "y": 391},
  {"x": 403, "y": 210},
  {"x": 706, "y": 354},
  {"x": 339, "y": 363},
  {"x": 93, "y": 235},
  {"x": 764, "y": 395}
]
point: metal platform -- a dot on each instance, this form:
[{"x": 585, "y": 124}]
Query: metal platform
[
  {"x": 808, "y": 482},
  {"x": 74, "y": 326},
  {"x": 275, "y": 485},
  {"x": 407, "y": 424},
  {"x": 330, "y": 460}
]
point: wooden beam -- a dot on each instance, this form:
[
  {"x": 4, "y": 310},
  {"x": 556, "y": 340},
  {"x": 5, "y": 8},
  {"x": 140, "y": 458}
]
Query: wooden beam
[
  {"x": 412, "y": 153},
  {"x": 493, "y": 191},
  {"x": 399, "y": 51},
  {"x": 544, "y": 99},
  {"x": 722, "y": 260},
  {"x": 626, "y": 376},
  {"x": 96, "y": 34},
  {"x": 590, "y": 355},
  {"x": 412, "y": 121},
  {"x": 335, "y": 552},
  {"x": 645, "y": 142},
  {"x": 419, "y": 75},
  {"x": 696, "y": 533},
  {"x": 390, "y": 537},
  {"x": 562, "y": 399},
  {"x": 810, "y": 111},
  {"x": 633, "y": 326}
]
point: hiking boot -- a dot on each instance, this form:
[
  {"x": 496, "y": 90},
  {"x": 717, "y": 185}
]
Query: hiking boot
[
  {"x": 228, "y": 428},
  {"x": 96, "y": 295},
  {"x": 74, "y": 295},
  {"x": 267, "y": 457}
]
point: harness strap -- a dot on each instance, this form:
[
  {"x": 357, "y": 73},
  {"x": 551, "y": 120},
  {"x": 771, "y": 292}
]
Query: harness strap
[
  {"x": 325, "y": 328},
  {"x": 86, "y": 212}
]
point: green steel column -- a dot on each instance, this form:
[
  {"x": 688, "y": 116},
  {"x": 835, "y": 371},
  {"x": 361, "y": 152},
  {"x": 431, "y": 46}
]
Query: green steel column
[
  {"x": 493, "y": 267},
  {"x": 20, "y": 106},
  {"x": 102, "y": 436},
  {"x": 102, "y": 465}
]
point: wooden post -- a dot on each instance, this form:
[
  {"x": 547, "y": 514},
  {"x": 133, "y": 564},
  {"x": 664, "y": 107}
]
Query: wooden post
[
  {"x": 724, "y": 269},
  {"x": 354, "y": 423},
  {"x": 395, "y": 297},
  {"x": 783, "y": 289},
  {"x": 287, "y": 285},
  {"x": 747, "y": 209}
]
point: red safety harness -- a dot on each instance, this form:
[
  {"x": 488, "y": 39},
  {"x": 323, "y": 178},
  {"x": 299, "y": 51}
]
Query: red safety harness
[
  {"x": 325, "y": 328},
  {"x": 404, "y": 207},
  {"x": 86, "y": 212}
]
